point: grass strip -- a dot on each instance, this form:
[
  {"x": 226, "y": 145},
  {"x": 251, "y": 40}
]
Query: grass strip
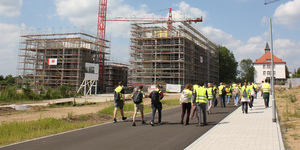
[
  {"x": 19, "y": 131},
  {"x": 12, "y": 132}
]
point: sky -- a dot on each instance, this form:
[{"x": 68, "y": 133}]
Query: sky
[{"x": 242, "y": 26}]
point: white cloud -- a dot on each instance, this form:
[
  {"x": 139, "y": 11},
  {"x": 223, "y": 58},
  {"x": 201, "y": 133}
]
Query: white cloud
[
  {"x": 83, "y": 13},
  {"x": 288, "y": 14},
  {"x": 78, "y": 12},
  {"x": 9, "y": 48},
  {"x": 288, "y": 51},
  {"x": 10, "y": 8},
  {"x": 189, "y": 11},
  {"x": 264, "y": 20}
]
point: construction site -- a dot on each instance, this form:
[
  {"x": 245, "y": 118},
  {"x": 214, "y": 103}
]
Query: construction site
[
  {"x": 69, "y": 53},
  {"x": 163, "y": 51},
  {"x": 176, "y": 55}
]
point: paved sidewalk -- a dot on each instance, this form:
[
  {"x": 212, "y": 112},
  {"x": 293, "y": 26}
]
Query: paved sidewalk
[{"x": 254, "y": 130}]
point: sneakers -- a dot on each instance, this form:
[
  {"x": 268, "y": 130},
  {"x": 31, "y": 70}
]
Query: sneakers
[
  {"x": 152, "y": 124},
  {"x": 181, "y": 122},
  {"x": 243, "y": 110},
  {"x": 133, "y": 124},
  {"x": 143, "y": 122},
  {"x": 124, "y": 118},
  {"x": 186, "y": 123},
  {"x": 115, "y": 120}
]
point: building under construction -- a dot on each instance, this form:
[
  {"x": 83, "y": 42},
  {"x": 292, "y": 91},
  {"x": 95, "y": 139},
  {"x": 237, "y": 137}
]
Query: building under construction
[
  {"x": 179, "y": 55},
  {"x": 69, "y": 52},
  {"x": 113, "y": 74}
]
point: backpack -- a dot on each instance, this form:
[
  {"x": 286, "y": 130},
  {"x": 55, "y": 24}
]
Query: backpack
[
  {"x": 137, "y": 97},
  {"x": 223, "y": 91},
  {"x": 244, "y": 93},
  {"x": 184, "y": 98},
  {"x": 227, "y": 90},
  {"x": 236, "y": 90},
  {"x": 117, "y": 96},
  {"x": 155, "y": 97}
]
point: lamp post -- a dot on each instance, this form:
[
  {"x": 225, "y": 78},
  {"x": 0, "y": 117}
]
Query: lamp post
[{"x": 272, "y": 76}]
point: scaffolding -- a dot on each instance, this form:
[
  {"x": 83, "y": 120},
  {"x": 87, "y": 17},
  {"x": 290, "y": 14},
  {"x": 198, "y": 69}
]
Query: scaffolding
[
  {"x": 113, "y": 73},
  {"x": 181, "y": 55},
  {"x": 71, "y": 50}
]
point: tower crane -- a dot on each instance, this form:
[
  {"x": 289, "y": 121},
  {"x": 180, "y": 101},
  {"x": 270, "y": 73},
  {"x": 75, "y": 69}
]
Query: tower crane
[
  {"x": 270, "y": 1},
  {"x": 102, "y": 18}
]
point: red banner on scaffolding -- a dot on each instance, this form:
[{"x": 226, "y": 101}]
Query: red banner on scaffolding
[{"x": 52, "y": 61}]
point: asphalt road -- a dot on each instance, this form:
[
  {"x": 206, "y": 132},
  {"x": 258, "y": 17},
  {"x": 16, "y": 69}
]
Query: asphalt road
[{"x": 122, "y": 135}]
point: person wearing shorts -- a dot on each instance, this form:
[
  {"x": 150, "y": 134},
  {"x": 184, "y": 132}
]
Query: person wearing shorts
[
  {"x": 139, "y": 107},
  {"x": 120, "y": 103}
]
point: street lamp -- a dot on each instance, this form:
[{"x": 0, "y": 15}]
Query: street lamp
[{"x": 272, "y": 76}]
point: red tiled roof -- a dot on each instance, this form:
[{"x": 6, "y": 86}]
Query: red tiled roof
[{"x": 267, "y": 56}]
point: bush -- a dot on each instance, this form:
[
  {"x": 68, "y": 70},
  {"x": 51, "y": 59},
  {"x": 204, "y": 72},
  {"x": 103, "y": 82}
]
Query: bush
[
  {"x": 10, "y": 94},
  {"x": 65, "y": 90}
]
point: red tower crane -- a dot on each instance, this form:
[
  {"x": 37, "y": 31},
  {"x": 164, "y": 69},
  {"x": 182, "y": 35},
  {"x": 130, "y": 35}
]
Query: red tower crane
[
  {"x": 101, "y": 19},
  {"x": 101, "y": 26}
]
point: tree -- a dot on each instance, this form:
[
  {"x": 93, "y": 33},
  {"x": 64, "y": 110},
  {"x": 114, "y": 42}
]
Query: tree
[
  {"x": 298, "y": 71},
  {"x": 227, "y": 65},
  {"x": 247, "y": 70},
  {"x": 287, "y": 73}
]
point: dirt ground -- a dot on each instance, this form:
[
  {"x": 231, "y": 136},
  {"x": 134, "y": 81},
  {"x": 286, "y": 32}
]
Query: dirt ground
[
  {"x": 289, "y": 116},
  {"x": 8, "y": 114}
]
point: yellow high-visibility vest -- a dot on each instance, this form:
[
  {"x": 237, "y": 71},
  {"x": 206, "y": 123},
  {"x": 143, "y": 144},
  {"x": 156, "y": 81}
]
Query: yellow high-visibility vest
[
  {"x": 201, "y": 95},
  {"x": 118, "y": 90},
  {"x": 209, "y": 93},
  {"x": 266, "y": 88},
  {"x": 220, "y": 89}
]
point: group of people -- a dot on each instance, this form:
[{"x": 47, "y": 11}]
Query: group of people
[
  {"x": 156, "y": 105},
  {"x": 196, "y": 100}
]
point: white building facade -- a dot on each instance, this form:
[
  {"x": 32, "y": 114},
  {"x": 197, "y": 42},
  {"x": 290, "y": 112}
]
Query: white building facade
[{"x": 263, "y": 68}]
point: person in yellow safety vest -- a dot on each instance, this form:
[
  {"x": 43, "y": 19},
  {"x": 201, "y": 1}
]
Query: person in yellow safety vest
[
  {"x": 265, "y": 92},
  {"x": 236, "y": 93},
  {"x": 251, "y": 96},
  {"x": 228, "y": 93},
  {"x": 222, "y": 94},
  {"x": 210, "y": 96},
  {"x": 119, "y": 103},
  {"x": 255, "y": 89},
  {"x": 200, "y": 101},
  {"x": 193, "y": 109},
  {"x": 244, "y": 97}
]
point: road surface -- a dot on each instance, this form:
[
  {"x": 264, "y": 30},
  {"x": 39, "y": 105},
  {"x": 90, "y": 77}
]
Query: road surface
[{"x": 122, "y": 135}]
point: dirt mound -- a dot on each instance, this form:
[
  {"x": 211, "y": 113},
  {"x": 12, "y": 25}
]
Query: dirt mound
[{"x": 6, "y": 110}]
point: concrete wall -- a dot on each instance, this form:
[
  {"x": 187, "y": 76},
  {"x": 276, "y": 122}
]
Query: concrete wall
[{"x": 293, "y": 82}]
